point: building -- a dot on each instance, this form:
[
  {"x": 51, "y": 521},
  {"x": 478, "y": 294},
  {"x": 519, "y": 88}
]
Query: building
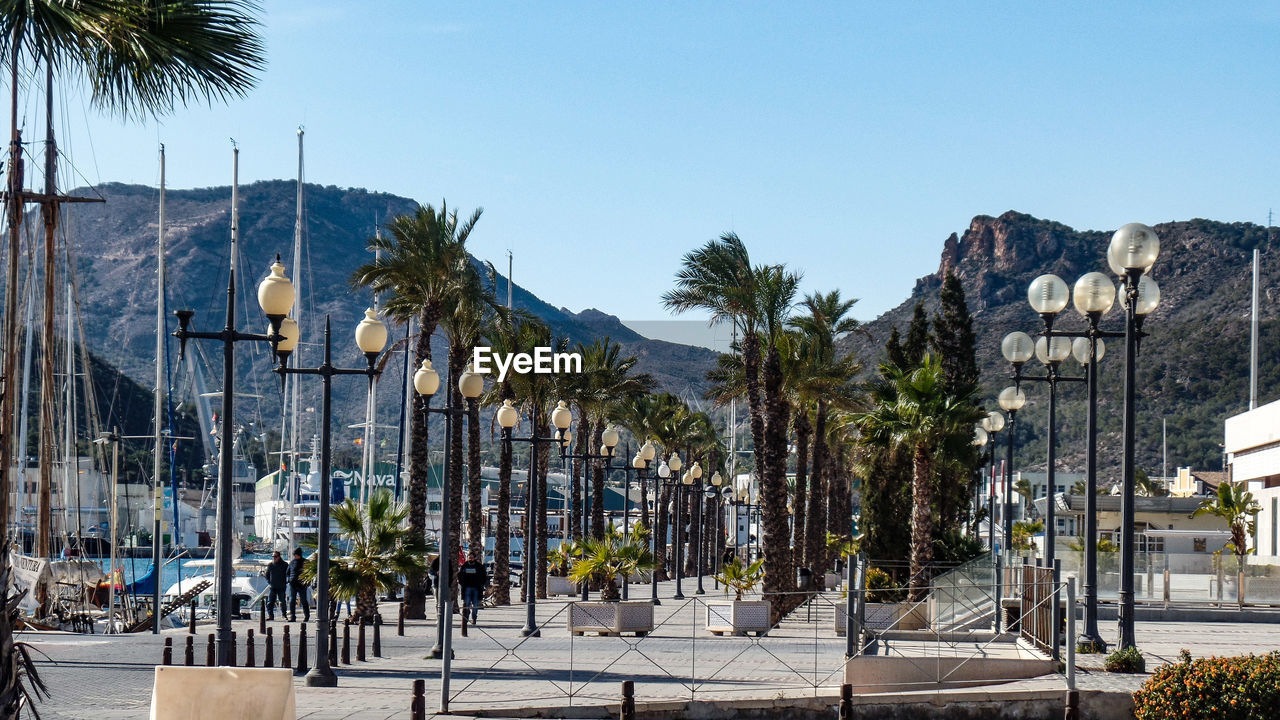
[
  {"x": 1252, "y": 446},
  {"x": 1198, "y": 482}
]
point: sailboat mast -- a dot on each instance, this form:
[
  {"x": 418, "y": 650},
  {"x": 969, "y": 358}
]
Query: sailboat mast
[
  {"x": 158, "y": 460},
  {"x": 49, "y": 208},
  {"x": 20, "y": 444},
  {"x": 295, "y": 358},
  {"x": 70, "y": 478}
]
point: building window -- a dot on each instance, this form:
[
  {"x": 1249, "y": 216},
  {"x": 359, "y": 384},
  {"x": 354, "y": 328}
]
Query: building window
[
  {"x": 1150, "y": 544},
  {"x": 1275, "y": 520},
  {"x": 1199, "y": 545}
]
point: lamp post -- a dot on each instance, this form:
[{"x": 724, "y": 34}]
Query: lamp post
[
  {"x": 1133, "y": 250},
  {"x": 664, "y": 475},
  {"x": 710, "y": 491},
  {"x": 640, "y": 464},
  {"x": 371, "y": 338},
  {"x": 993, "y": 423},
  {"x": 1011, "y": 400},
  {"x": 677, "y": 486},
  {"x": 695, "y": 477},
  {"x": 275, "y": 297},
  {"x": 426, "y": 381},
  {"x": 508, "y": 417},
  {"x": 609, "y": 440}
]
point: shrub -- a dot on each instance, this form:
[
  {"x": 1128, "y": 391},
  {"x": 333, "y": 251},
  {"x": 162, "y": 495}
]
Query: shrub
[
  {"x": 1128, "y": 660},
  {"x": 882, "y": 588},
  {"x": 1231, "y": 688}
]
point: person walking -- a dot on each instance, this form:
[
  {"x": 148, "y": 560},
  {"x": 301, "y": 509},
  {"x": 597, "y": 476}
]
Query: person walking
[
  {"x": 277, "y": 574},
  {"x": 472, "y": 578},
  {"x": 297, "y": 589}
]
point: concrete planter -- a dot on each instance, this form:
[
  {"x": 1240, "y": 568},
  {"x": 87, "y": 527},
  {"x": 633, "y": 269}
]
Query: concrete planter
[
  {"x": 738, "y": 617},
  {"x": 560, "y": 586},
  {"x": 884, "y": 616},
  {"x": 611, "y": 618}
]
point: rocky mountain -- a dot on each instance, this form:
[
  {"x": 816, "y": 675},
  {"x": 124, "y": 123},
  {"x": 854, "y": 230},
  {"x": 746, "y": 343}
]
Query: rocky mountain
[
  {"x": 1193, "y": 369},
  {"x": 114, "y": 248}
]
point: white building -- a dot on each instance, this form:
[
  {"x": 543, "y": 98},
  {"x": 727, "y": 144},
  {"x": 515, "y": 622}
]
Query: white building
[{"x": 1252, "y": 445}]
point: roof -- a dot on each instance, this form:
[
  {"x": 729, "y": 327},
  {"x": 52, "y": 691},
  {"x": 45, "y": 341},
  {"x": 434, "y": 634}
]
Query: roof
[
  {"x": 1211, "y": 478},
  {"x": 1075, "y": 504}
]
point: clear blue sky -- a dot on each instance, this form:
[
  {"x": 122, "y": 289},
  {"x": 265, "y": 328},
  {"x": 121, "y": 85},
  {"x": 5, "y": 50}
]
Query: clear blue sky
[{"x": 848, "y": 140}]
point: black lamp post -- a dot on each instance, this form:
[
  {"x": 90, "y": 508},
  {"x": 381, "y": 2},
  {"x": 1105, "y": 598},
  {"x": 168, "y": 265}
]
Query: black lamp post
[
  {"x": 640, "y": 465},
  {"x": 508, "y": 418},
  {"x": 426, "y": 381},
  {"x": 1011, "y": 400},
  {"x": 710, "y": 491},
  {"x": 694, "y": 485},
  {"x": 275, "y": 296},
  {"x": 371, "y": 337},
  {"x": 664, "y": 475},
  {"x": 677, "y": 483},
  {"x": 609, "y": 438}
]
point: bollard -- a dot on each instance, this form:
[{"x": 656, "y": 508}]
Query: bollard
[
  {"x": 465, "y": 613},
  {"x": 249, "y": 659},
  {"x": 377, "y": 635},
  {"x": 286, "y": 649},
  {"x": 189, "y": 655},
  {"x": 400, "y": 621},
  {"x": 209, "y": 655},
  {"x": 269, "y": 654},
  {"x": 302, "y": 667},
  {"x": 628, "y": 711},
  {"x": 262, "y": 617},
  {"x": 233, "y": 652},
  {"x": 418, "y": 708},
  {"x": 333, "y": 644},
  {"x": 846, "y": 702},
  {"x": 346, "y": 642},
  {"x": 167, "y": 657},
  {"x": 360, "y": 641},
  {"x": 191, "y": 619}
]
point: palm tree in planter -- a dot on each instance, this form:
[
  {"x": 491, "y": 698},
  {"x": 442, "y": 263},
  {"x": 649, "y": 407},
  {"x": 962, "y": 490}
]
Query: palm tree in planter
[
  {"x": 1237, "y": 507},
  {"x": 602, "y": 561},
  {"x": 382, "y": 550},
  {"x": 739, "y": 616}
]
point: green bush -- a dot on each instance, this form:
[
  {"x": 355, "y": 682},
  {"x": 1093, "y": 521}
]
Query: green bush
[
  {"x": 1231, "y": 688},
  {"x": 1128, "y": 660},
  {"x": 882, "y": 588}
]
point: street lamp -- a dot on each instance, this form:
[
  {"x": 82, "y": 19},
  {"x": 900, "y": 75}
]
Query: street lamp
[
  {"x": 508, "y": 418},
  {"x": 695, "y": 474},
  {"x": 664, "y": 475},
  {"x": 640, "y": 464},
  {"x": 275, "y": 296},
  {"x": 1011, "y": 400},
  {"x": 1133, "y": 250},
  {"x": 426, "y": 381},
  {"x": 677, "y": 486},
  {"x": 993, "y": 423},
  {"x": 371, "y": 338},
  {"x": 709, "y": 493},
  {"x": 609, "y": 440}
]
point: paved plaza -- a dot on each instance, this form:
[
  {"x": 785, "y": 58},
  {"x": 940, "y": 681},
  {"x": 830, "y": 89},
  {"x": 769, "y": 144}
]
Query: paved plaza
[{"x": 105, "y": 678}]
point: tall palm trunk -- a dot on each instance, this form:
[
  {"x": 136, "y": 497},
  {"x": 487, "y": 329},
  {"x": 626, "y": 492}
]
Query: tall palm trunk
[
  {"x": 581, "y": 475},
  {"x": 693, "y": 537},
  {"x": 755, "y": 407},
  {"x": 456, "y": 360},
  {"x": 541, "y": 429},
  {"x": 779, "y": 573},
  {"x": 815, "y": 531},
  {"x": 575, "y": 502},
  {"x": 597, "y": 482},
  {"x": 799, "y": 548},
  {"x": 502, "y": 534},
  {"x": 839, "y": 502},
  {"x": 644, "y": 499},
  {"x": 663, "y": 529},
  {"x": 921, "y": 523},
  {"x": 475, "y": 511},
  {"x": 415, "y": 592}
]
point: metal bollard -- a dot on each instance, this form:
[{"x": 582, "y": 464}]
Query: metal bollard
[
  {"x": 269, "y": 653},
  {"x": 262, "y": 617},
  {"x": 360, "y": 657},
  {"x": 232, "y": 654},
  {"x": 333, "y": 644},
  {"x": 418, "y": 707},
  {"x": 400, "y": 621},
  {"x": 209, "y": 655},
  {"x": 167, "y": 657},
  {"x": 249, "y": 653},
  {"x": 846, "y": 702},
  {"x": 286, "y": 649},
  {"x": 302, "y": 667},
  {"x": 628, "y": 710},
  {"x": 189, "y": 655},
  {"x": 346, "y": 642},
  {"x": 377, "y": 635},
  {"x": 191, "y": 619}
]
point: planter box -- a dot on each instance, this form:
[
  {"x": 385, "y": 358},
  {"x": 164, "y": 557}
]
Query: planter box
[
  {"x": 738, "y": 617},
  {"x": 611, "y": 618},
  {"x": 885, "y": 616},
  {"x": 831, "y": 581},
  {"x": 560, "y": 586}
]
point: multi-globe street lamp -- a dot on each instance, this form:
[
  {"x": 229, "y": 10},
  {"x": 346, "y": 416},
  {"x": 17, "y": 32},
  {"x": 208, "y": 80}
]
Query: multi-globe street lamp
[
  {"x": 371, "y": 338},
  {"x": 710, "y": 490},
  {"x": 508, "y": 417},
  {"x": 640, "y": 465},
  {"x": 664, "y": 477},
  {"x": 426, "y": 381},
  {"x": 275, "y": 296}
]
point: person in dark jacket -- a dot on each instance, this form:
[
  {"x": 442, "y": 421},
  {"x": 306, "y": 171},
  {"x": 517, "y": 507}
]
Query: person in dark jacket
[
  {"x": 277, "y": 574},
  {"x": 297, "y": 589},
  {"x": 472, "y": 578}
]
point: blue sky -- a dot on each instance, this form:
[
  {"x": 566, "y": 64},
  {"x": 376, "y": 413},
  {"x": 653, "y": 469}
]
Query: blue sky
[{"x": 848, "y": 140}]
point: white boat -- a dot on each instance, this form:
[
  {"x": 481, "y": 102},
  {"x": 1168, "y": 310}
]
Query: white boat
[{"x": 247, "y": 581}]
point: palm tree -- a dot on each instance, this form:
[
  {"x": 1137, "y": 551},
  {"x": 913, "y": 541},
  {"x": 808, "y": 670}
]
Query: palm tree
[
  {"x": 16, "y": 666},
  {"x": 603, "y": 560},
  {"x": 1239, "y": 510},
  {"x": 414, "y": 270},
  {"x": 912, "y": 410},
  {"x": 382, "y": 550}
]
